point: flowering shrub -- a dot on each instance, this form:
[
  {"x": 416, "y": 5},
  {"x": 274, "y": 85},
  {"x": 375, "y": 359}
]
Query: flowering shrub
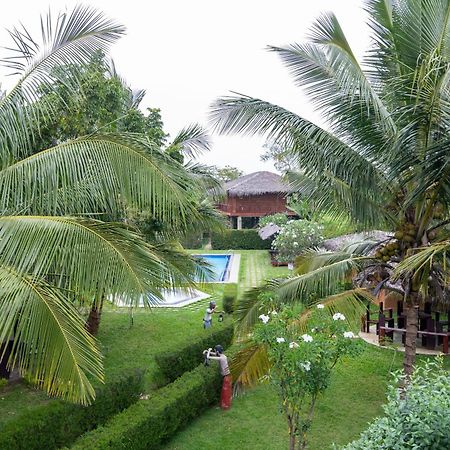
[
  {"x": 419, "y": 419},
  {"x": 302, "y": 361},
  {"x": 279, "y": 219},
  {"x": 295, "y": 237}
]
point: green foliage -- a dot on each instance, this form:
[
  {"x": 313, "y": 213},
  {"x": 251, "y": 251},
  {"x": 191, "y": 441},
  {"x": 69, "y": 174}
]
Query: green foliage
[
  {"x": 193, "y": 240},
  {"x": 58, "y": 423},
  {"x": 417, "y": 419},
  {"x": 296, "y": 237},
  {"x": 335, "y": 226},
  {"x": 230, "y": 293},
  {"x": 238, "y": 240},
  {"x": 279, "y": 219},
  {"x": 175, "y": 363},
  {"x": 302, "y": 364},
  {"x": 226, "y": 173},
  {"x": 104, "y": 102},
  {"x": 148, "y": 423}
]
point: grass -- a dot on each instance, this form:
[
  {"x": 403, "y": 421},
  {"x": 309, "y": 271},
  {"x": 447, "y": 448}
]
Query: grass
[
  {"x": 354, "y": 397},
  {"x": 255, "y": 423}
]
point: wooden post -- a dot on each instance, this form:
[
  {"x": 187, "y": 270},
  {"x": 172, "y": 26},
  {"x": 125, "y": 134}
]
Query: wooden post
[
  {"x": 430, "y": 339},
  {"x": 445, "y": 344}
]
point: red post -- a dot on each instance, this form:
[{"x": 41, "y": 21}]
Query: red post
[{"x": 445, "y": 344}]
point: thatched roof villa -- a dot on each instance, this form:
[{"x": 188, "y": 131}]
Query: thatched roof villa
[{"x": 252, "y": 196}]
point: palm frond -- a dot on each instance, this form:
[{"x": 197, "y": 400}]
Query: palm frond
[
  {"x": 123, "y": 168},
  {"x": 191, "y": 141},
  {"x": 319, "y": 276},
  {"x": 51, "y": 345},
  {"x": 255, "y": 301},
  {"x": 91, "y": 258},
  {"x": 72, "y": 39},
  {"x": 351, "y": 303},
  {"x": 249, "y": 364}
]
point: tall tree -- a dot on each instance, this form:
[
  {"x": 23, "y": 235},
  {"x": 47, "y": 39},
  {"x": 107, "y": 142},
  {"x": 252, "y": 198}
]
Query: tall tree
[
  {"x": 52, "y": 250},
  {"x": 104, "y": 102},
  {"x": 383, "y": 156}
]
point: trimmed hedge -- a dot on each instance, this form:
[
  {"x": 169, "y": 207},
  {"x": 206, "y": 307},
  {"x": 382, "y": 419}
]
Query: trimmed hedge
[
  {"x": 230, "y": 293},
  {"x": 175, "y": 364},
  {"x": 59, "y": 423},
  {"x": 148, "y": 423},
  {"x": 239, "y": 240}
]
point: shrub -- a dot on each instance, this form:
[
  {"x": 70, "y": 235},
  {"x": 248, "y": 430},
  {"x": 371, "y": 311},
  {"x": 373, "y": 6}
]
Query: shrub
[
  {"x": 148, "y": 423},
  {"x": 174, "y": 364},
  {"x": 418, "y": 420},
  {"x": 239, "y": 240},
  {"x": 301, "y": 366},
  {"x": 295, "y": 237},
  {"x": 58, "y": 423},
  {"x": 229, "y": 298},
  {"x": 279, "y": 219}
]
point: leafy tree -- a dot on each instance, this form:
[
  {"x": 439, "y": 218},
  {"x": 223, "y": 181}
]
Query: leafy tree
[
  {"x": 54, "y": 249},
  {"x": 383, "y": 158},
  {"x": 227, "y": 173},
  {"x": 282, "y": 158},
  {"x": 103, "y": 102},
  {"x": 302, "y": 360}
]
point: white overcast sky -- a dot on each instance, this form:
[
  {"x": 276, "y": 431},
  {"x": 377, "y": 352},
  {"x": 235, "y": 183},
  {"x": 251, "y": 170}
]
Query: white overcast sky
[{"x": 186, "y": 53}]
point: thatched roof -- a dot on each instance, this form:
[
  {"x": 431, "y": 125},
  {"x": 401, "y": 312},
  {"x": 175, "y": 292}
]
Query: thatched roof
[{"x": 256, "y": 183}]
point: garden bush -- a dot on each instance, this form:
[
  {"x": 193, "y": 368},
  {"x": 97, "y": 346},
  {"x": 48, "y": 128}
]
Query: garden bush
[
  {"x": 57, "y": 423},
  {"x": 295, "y": 237},
  {"x": 174, "y": 364},
  {"x": 419, "y": 420},
  {"x": 230, "y": 293},
  {"x": 239, "y": 240},
  {"x": 148, "y": 423}
]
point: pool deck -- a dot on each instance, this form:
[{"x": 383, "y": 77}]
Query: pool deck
[{"x": 233, "y": 269}]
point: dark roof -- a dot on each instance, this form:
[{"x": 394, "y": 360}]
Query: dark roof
[
  {"x": 256, "y": 183},
  {"x": 269, "y": 230}
]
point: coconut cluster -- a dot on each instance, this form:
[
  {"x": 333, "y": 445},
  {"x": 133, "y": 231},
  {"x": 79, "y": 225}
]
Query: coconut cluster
[{"x": 405, "y": 237}]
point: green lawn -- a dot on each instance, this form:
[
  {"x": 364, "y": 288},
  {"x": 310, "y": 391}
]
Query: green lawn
[
  {"x": 254, "y": 422},
  {"x": 355, "y": 395}
]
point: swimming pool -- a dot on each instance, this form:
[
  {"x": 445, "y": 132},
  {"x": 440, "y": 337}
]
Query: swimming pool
[{"x": 219, "y": 266}]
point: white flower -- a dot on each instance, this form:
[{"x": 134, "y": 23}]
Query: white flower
[
  {"x": 348, "y": 334},
  {"x": 307, "y": 338},
  {"x": 320, "y": 306},
  {"x": 264, "y": 318},
  {"x": 280, "y": 340},
  {"x": 274, "y": 313},
  {"x": 293, "y": 345},
  {"x": 306, "y": 366},
  {"x": 338, "y": 316}
]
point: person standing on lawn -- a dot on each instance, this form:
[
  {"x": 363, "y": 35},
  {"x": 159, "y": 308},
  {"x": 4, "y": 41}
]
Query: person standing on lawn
[
  {"x": 227, "y": 390},
  {"x": 207, "y": 319}
]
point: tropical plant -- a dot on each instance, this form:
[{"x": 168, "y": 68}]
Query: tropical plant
[
  {"x": 415, "y": 418},
  {"x": 54, "y": 250},
  {"x": 383, "y": 157},
  {"x": 302, "y": 360},
  {"x": 295, "y": 237},
  {"x": 104, "y": 102}
]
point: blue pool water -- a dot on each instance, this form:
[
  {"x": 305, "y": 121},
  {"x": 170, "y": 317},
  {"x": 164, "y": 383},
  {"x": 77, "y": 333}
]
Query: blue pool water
[{"x": 218, "y": 265}]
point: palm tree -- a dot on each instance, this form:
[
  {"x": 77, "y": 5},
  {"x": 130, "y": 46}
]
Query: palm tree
[
  {"x": 383, "y": 155},
  {"x": 54, "y": 249}
]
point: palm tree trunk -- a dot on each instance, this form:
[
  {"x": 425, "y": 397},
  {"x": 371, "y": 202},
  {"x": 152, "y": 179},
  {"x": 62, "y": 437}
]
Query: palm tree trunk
[
  {"x": 93, "y": 320},
  {"x": 412, "y": 317},
  {"x": 5, "y": 352}
]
